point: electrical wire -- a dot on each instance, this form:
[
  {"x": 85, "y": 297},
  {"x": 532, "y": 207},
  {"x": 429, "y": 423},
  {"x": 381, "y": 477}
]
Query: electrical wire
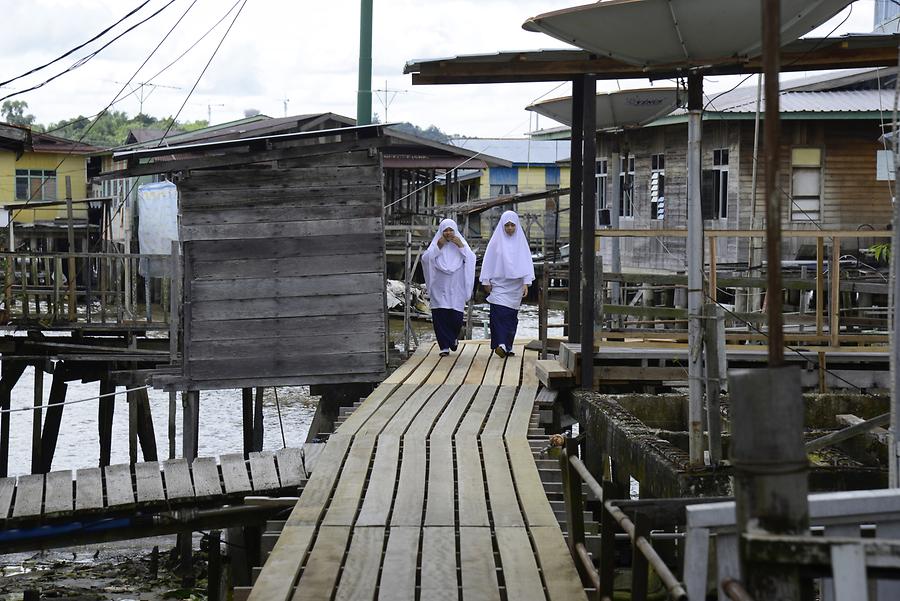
[
  {"x": 62, "y": 404},
  {"x": 84, "y": 60},
  {"x": 76, "y": 48}
]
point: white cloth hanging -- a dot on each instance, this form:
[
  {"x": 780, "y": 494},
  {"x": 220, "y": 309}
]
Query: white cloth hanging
[{"x": 449, "y": 271}]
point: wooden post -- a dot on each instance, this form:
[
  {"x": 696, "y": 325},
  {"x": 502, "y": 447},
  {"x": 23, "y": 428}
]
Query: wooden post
[
  {"x": 8, "y": 284},
  {"x": 834, "y": 269},
  {"x": 599, "y": 287},
  {"x": 247, "y": 422},
  {"x": 214, "y": 566},
  {"x": 57, "y": 284},
  {"x": 713, "y": 386},
  {"x": 607, "y": 544},
  {"x": 73, "y": 311},
  {"x": 588, "y": 227},
  {"x": 106, "y": 411},
  {"x": 190, "y": 407},
  {"x": 37, "y": 418},
  {"x": 571, "y": 482},
  {"x": 543, "y": 306},
  {"x": 573, "y": 317},
  {"x": 133, "y": 418},
  {"x": 406, "y": 293},
  {"x": 174, "y": 321},
  {"x": 713, "y": 277},
  {"x": 145, "y": 430},
  {"x": 23, "y": 270},
  {"x": 640, "y": 568},
  {"x": 258, "y": 420},
  {"x": 12, "y": 371},
  {"x": 173, "y": 409},
  {"x": 52, "y": 422}
]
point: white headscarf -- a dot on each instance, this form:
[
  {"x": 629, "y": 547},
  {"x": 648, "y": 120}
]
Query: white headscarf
[
  {"x": 507, "y": 256},
  {"x": 450, "y": 261}
]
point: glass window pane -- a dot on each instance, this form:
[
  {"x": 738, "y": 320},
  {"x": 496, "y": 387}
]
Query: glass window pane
[
  {"x": 807, "y": 157},
  {"x": 50, "y": 188},
  {"x": 21, "y": 188},
  {"x": 806, "y": 182}
]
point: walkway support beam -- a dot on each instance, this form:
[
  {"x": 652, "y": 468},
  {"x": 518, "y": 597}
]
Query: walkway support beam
[{"x": 695, "y": 269}]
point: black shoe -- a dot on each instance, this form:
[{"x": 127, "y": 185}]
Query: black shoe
[
  {"x": 500, "y": 352},
  {"x": 454, "y": 346},
  {"x": 510, "y": 354},
  {"x": 444, "y": 353}
]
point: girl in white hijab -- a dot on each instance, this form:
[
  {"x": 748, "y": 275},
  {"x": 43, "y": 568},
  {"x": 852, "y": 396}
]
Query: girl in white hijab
[
  {"x": 449, "y": 267},
  {"x": 506, "y": 273}
]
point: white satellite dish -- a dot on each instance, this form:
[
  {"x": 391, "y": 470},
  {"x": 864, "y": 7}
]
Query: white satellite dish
[
  {"x": 617, "y": 110},
  {"x": 663, "y": 32}
]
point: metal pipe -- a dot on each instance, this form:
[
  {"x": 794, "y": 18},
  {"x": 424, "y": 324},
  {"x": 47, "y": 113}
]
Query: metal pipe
[
  {"x": 364, "y": 92},
  {"x": 586, "y": 476},
  {"x": 772, "y": 136},
  {"x": 576, "y": 184},
  {"x": 735, "y": 591},
  {"x": 589, "y": 568}
]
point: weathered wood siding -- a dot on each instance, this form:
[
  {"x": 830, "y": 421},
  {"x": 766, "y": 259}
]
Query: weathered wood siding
[{"x": 284, "y": 274}]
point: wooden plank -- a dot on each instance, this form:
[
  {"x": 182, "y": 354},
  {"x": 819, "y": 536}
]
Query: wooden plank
[
  {"x": 320, "y": 485},
  {"x": 59, "y": 492},
  {"x": 119, "y": 488},
  {"x": 352, "y": 196},
  {"x": 402, "y": 373},
  {"x": 408, "y": 393},
  {"x": 479, "y": 365},
  {"x": 380, "y": 491},
  {"x": 461, "y": 368},
  {"x": 360, "y": 575},
  {"x": 474, "y": 417},
  {"x": 496, "y": 423},
  {"x": 207, "y": 482},
  {"x": 470, "y": 481},
  {"x": 439, "y": 564},
  {"x": 493, "y": 375},
  {"x": 299, "y": 306},
  {"x": 311, "y": 453},
  {"x": 529, "y": 374},
  {"x": 557, "y": 566},
  {"x": 290, "y": 467},
  {"x": 7, "y": 486},
  {"x": 282, "y": 229},
  {"x": 296, "y": 211},
  {"x": 149, "y": 482},
  {"x": 512, "y": 370},
  {"x": 296, "y": 266},
  {"x": 29, "y": 496},
  {"x": 263, "y": 472},
  {"x": 265, "y": 366},
  {"x": 501, "y": 492},
  {"x": 449, "y": 419},
  {"x": 276, "y": 581},
  {"x": 440, "y": 508},
  {"x": 520, "y": 571},
  {"x": 321, "y": 572},
  {"x": 178, "y": 479},
  {"x": 398, "y": 572},
  {"x": 848, "y": 564},
  {"x": 282, "y": 248},
  {"x": 425, "y": 418},
  {"x": 234, "y": 473},
  {"x": 286, "y": 286},
  {"x": 529, "y": 487},
  {"x": 294, "y": 346},
  {"x": 411, "y": 487},
  {"x": 442, "y": 369},
  {"x": 520, "y": 416},
  {"x": 476, "y": 559},
  {"x": 348, "y": 494},
  {"x": 400, "y": 421}
]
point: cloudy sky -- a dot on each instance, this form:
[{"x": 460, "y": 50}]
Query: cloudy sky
[{"x": 298, "y": 54}]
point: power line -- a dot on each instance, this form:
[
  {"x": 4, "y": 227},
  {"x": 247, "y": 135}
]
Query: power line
[
  {"x": 199, "y": 77},
  {"x": 76, "y": 48},
  {"x": 103, "y": 112},
  {"x": 80, "y": 62}
]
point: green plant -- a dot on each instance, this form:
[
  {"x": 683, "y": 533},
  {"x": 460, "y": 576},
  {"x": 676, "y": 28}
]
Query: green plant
[{"x": 881, "y": 252}]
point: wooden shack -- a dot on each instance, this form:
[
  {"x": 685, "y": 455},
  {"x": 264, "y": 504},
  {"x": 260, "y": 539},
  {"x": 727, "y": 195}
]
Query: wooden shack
[{"x": 283, "y": 260}]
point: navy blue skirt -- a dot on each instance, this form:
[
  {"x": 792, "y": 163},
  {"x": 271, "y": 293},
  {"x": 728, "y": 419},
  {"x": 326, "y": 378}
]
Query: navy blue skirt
[
  {"x": 447, "y": 323},
  {"x": 504, "y": 322}
]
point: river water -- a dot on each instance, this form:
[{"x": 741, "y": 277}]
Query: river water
[{"x": 220, "y": 410}]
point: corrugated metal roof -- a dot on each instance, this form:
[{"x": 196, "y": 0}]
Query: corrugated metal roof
[
  {"x": 851, "y": 101},
  {"x": 519, "y": 151}
]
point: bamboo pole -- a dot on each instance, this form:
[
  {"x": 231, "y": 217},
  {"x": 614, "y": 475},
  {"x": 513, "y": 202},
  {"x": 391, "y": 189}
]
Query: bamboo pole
[{"x": 73, "y": 313}]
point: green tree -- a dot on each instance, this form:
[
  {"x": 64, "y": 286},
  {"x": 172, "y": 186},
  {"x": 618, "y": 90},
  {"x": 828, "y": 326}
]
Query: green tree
[{"x": 13, "y": 112}]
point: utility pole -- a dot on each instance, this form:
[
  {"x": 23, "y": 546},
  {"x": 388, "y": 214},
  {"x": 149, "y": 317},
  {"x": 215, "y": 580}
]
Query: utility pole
[
  {"x": 695, "y": 270},
  {"x": 364, "y": 93}
]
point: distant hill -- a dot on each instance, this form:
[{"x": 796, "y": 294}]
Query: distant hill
[{"x": 432, "y": 132}]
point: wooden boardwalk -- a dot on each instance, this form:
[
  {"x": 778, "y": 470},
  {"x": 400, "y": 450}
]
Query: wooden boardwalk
[{"x": 429, "y": 490}]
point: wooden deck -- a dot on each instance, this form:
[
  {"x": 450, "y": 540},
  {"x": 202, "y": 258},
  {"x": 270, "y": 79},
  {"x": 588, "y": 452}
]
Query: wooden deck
[
  {"x": 429, "y": 490},
  {"x": 124, "y": 489}
]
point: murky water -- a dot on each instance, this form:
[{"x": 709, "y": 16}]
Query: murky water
[{"x": 220, "y": 411}]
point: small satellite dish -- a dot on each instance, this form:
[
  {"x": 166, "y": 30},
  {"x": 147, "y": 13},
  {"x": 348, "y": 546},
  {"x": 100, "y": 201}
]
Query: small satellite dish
[
  {"x": 668, "y": 32},
  {"x": 617, "y": 110}
]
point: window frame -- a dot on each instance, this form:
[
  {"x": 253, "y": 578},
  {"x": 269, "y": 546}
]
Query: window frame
[
  {"x": 658, "y": 167},
  {"x": 801, "y": 215},
  {"x": 626, "y": 187}
]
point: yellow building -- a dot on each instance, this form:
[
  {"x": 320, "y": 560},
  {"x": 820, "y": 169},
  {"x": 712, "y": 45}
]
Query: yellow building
[{"x": 33, "y": 171}]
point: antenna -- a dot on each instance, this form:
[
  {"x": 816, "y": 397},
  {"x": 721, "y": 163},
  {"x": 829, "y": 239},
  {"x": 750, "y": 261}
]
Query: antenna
[
  {"x": 387, "y": 98},
  {"x": 209, "y": 112},
  {"x": 284, "y": 102},
  {"x": 138, "y": 87}
]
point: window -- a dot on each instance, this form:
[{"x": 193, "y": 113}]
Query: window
[
  {"x": 602, "y": 171},
  {"x": 626, "y": 187},
  {"x": 720, "y": 182},
  {"x": 37, "y": 184},
  {"x": 551, "y": 178},
  {"x": 657, "y": 186},
  {"x": 806, "y": 184},
  {"x": 504, "y": 180}
]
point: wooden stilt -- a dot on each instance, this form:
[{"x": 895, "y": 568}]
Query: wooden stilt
[
  {"x": 173, "y": 408},
  {"x": 258, "y": 421},
  {"x": 105, "y": 420},
  {"x": 37, "y": 419},
  {"x": 145, "y": 430},
  {"x": 12, "y": 371},
  {"x": 247, "y": 405},
  {"x": 190, "y": 405},
  {"x": 54, "y": 415},
  {"x": 214, "y": 566},
  {"x": 132, "y": 428}
]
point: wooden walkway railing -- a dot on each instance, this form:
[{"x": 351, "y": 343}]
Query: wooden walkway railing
[{"x": 429, "y": 490}]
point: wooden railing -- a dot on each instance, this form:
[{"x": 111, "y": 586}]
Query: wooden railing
[{"x": 83, "y": 289}]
